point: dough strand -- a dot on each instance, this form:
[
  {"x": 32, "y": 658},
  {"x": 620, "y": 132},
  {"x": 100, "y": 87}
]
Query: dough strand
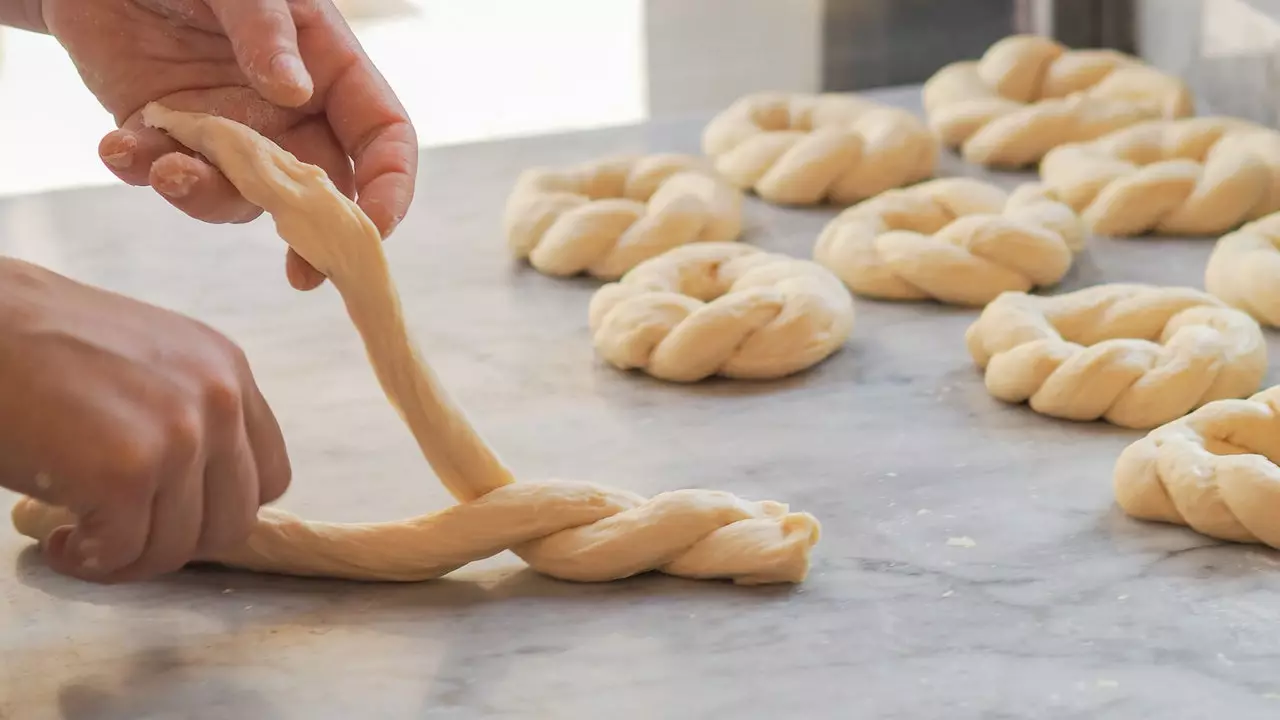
[{"x": 569, "y": 530}]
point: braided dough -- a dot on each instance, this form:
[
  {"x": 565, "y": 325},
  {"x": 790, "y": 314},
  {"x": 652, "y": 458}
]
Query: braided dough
[
  {"x": 1198, "y": 176},
  {"x": 721, "y": 308},
  {"x": 1213, "y": 471},
  {"x": 955, "y": 240},
  {"x": 569, "y": 530},
  {"x": 1244, "y": 269},
  {"x": 1135, "y": 355},
  {"x": 1028, "y": 94},
  {"x": 804, "y": 149},
  {"x": 605, "y": 217}
]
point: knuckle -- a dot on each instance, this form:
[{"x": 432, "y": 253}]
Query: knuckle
[
  {"x": 133, "y": 464},
  {"x": 222, "y": 398},
  {"x": 184, "y": 434}
]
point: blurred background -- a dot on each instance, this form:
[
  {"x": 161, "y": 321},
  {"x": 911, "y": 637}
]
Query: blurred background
[{"x": 470, "y": 70}]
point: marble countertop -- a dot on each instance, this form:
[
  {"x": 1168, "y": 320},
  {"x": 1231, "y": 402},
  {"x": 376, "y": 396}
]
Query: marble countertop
[{"x": 1059, "y": 608}]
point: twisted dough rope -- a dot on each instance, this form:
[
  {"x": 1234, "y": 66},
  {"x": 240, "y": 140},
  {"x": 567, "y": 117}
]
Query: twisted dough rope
[
  {"x": 721, "y": 308},
  {"x": 1213, "y": 471},
  {"x": 1244, "y": 269},
  {"x": 1028, "y": 94},
  {"x": 605, "y": 217},
  {"x": 572, "y": 531},
  {"x": 1136, "y": 355},
  {"x": 955, "y": 240},
  {"x": 803, "y": 149},
  {"x": 1198, "y": 176}
]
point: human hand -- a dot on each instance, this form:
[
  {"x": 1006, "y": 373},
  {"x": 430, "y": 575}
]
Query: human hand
[
  {"x": 290, "y": 69},
  {"x": 145, "y": 424}
]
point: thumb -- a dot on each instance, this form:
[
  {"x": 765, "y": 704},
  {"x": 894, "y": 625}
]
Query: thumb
[{"x": 265, "y": 41}]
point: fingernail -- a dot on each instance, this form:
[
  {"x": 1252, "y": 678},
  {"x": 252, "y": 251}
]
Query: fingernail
[
  {"x": 288, "y": 67},
  {"x": 177, "y": 185},
  {"x": 87, "y": 551},
  {"x": 121, "y": 156}
]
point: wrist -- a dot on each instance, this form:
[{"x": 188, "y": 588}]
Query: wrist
[{"x": 23, "y": 14}]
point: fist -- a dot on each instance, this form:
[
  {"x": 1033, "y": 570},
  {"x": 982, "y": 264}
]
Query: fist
[{"x": 145, "y": 424}]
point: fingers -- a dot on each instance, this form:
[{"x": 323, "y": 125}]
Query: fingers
[
  {"x": 200, "y": 190},
  {"x": 265, "y": 42},
  {"x": 106, "y": 539},
  {"x": 266, "y": 443},
  {"x": 230, "y": 496}
]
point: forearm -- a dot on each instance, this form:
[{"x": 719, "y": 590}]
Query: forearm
[{"x": 24, "y": 14}]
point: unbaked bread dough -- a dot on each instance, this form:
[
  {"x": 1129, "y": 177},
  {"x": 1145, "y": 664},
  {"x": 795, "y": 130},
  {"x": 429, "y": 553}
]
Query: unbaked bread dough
[
  {"x": 721, "y": 309},
  {"x": 1134, "y": 355},
  {"x": 955, "y": 240},
  {"x": 1198, "y": 176},
  {"x": 803, "y": 149},
  {"x": 569, "y": 530},
  {"x": 605, "y": 217},
  {"x": 1244, "y": 269},
  {"x": 1213, "y": 471},
  {"x": 1028, "y": 94}
]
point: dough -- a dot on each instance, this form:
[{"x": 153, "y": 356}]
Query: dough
[
  {"x": 955, "y": 240},
  {"x": 1134, "y": 355},
  {"x": 721, "y": 309},
  {"x": 605, "y": 217},
  {"x": 1213, "y": 471},
  {"x": 802, "y": 149},
  {"x": 1198, "y": 176},
  {"x": 1028, "y": 94},
  {"x": 1244, "y": 269},
  {"x": 568, "y": 530}
]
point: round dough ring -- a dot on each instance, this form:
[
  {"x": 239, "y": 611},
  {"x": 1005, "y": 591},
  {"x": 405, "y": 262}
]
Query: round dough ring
[
  {"x": 605, "y": 217},
  {"x": 721, "y": 309},
  {"x": 803, "y": 149},
  {"x": 1198, "y": 176},
  {"x": 1028, "y": 94},
  {"x": 1244, "y": 269},
  {"x": 1213, "y": 471},
  {"x": 1134, "y": 355},
  {"x": 955, "y": 240}
]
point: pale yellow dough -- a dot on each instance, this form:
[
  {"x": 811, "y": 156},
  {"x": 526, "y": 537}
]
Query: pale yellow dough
[
  {"x": 721, "y": 309},
  {"x": 605, "y": 217},
  {"x": 804, "y": 149},
  {"x": 1134, "y": 355},
  {"x": 569, "y": 530},
  {"x": 955, "y": 240},
  {"x": 1198, "y": 176},
  {"x": 1244, "y": 269},
  {"x": 1029, "y": 94},
  {"x": 1213, "y": 471}
]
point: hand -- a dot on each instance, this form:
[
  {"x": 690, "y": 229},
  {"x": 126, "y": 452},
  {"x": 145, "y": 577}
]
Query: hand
[
  {"x": 290, "y": 69},
  {"x": 144, "y": 423}
]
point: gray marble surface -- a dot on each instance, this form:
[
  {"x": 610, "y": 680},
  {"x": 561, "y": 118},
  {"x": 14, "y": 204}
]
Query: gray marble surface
[{"x": 1061, "y": 608}]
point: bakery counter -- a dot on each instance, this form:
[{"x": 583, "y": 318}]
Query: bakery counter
[{"x": 972, "y": 561}]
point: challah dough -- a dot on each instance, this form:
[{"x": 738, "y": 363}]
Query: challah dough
[
  {"x": 955, "y": 240},
  {"x": 605, "y": 217},
  {"x": 1134, "y": 355},
  {"x": 573, "y": 531},
  {"x": 803, "y": 149},
  {"x": 1213, "y": 471},
  {"x": 1028, "y": 94},
  {"x": 1198, "y": 176},
  {"x": 1244, "y": 269},
  {"x": 721, "y": 309}
]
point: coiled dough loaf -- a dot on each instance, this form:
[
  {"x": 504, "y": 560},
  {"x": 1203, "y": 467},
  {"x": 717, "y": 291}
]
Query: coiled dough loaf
[
  {"x": 605, "y": 217},
  {"x": 1028, "y": 94},
  {"x": 955, "y": 240},
  {"x": 803, "y": 149},
  {"x": 721, "y": 309},
  {"x": 1213, "y": 471},
  {"x": 1244, "y": 269},
  {"x": 1198, "y": 176},
  {"x": 1134, "y": 355}
]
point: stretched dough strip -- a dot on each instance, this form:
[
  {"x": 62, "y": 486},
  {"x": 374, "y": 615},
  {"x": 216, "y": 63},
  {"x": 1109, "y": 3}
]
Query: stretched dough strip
[{"x": 569, "y": 530}]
